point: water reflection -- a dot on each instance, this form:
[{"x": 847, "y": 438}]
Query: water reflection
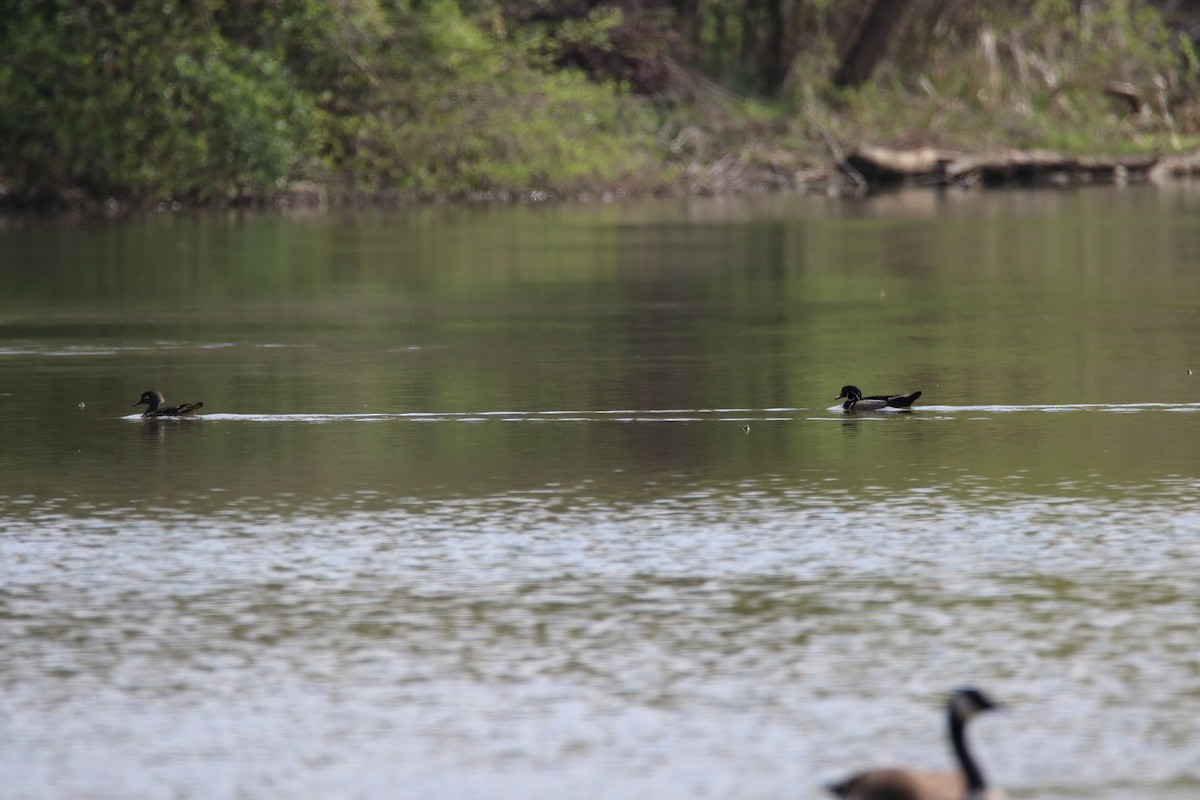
[
  {"x": 474, "y": 512},
  {"x": 480, "y": 626}
]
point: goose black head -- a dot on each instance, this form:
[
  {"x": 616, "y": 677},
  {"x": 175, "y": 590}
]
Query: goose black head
[
  {"x": 850, "y": 393},
  {"x": 968, "y": 701}
]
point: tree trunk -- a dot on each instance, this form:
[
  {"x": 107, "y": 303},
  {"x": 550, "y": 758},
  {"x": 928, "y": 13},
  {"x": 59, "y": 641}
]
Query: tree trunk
[
  {"x": 772, "y": 69},
  {"x": 688, "y": 13},
  {"x": 869, "y": 43}
]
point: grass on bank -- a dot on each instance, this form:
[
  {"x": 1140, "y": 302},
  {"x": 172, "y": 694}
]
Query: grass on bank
[{"x": 1110, "y": 79}]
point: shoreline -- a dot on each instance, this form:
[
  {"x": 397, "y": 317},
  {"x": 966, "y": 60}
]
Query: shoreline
[{"x": 862, "y": 171}]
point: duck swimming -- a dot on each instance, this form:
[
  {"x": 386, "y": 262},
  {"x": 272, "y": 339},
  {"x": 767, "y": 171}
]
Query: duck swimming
[
  {"x": 153, "y": 400},
  {"x": 856, "y": 402}
]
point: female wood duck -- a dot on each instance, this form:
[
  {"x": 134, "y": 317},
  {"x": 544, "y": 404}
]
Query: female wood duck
[
  {"x": 856, "y": 402},
  {"x": 152, "y": 400}
]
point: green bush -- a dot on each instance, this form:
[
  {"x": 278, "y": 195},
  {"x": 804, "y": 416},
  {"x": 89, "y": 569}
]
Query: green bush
[
  {"x": 140, "y": 104},
  {"x": 451, "y": 110},
  {"x": 207, "y": 100}
]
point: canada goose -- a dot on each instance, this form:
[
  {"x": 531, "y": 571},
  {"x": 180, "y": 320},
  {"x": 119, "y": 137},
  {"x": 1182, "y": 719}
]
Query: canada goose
[
  {"x": 152, "y": 400},
  {"x": 856, "y": 402},
  {"x": 906, "y": 784}
]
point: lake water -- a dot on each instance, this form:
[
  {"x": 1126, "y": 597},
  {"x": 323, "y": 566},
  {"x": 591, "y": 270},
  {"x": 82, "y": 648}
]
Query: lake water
[{"x": 556, "y": 501}]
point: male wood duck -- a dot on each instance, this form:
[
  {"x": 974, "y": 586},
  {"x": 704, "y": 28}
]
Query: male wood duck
[
  {"x": 856, "y": 402},
  {"x": 152, "y": 400}
]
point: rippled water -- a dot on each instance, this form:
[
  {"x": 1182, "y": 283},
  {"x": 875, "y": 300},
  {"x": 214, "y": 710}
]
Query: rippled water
[{"x": 583, "y": 520}]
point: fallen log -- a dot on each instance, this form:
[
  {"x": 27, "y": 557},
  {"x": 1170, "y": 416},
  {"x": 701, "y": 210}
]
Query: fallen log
[
  {"x": 1186, "y": 165},
  {"x": 881, "y": 167}
]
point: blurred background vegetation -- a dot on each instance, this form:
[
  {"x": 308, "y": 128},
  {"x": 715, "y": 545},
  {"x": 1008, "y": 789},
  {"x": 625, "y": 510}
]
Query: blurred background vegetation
[{"x": 352, "y": 100}]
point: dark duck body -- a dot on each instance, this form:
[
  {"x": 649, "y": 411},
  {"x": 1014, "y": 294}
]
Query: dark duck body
[
  {"x": 877, "y": 402},
  {"x": 907, "y": 784},
  {"x": 154, "y": 406}
]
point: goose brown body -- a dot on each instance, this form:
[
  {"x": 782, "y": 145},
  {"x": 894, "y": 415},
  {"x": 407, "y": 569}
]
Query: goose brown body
[
  {"x": 908, "y": 784},
  {"x": 901, "y": 784}
]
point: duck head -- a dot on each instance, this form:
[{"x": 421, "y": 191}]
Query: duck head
[
  {"x": 850, "y": 393},
  {"x": 150, "y": 398}
]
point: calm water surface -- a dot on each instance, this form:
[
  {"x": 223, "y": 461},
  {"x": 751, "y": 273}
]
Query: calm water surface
[{"x": 556, "y": 502}]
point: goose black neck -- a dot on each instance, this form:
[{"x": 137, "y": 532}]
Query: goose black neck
[{"x": 958, "y": 739}]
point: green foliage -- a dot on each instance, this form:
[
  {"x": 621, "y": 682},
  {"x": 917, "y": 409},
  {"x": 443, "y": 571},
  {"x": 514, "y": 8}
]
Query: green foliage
[
  {"x": 140, "y": 103},
  {"x": 218, "y": 99},
  {"x": 213, "y": 100},
  {"x": 461, "y": 115}
]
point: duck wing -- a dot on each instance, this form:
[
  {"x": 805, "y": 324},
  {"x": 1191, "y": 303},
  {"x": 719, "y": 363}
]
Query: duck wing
[
  {"x": 866, "y": 404},
  {"x": 902, "y": 400},
  {"x": 180, "y": 410},
  {"x": 876, "y": 401}
]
